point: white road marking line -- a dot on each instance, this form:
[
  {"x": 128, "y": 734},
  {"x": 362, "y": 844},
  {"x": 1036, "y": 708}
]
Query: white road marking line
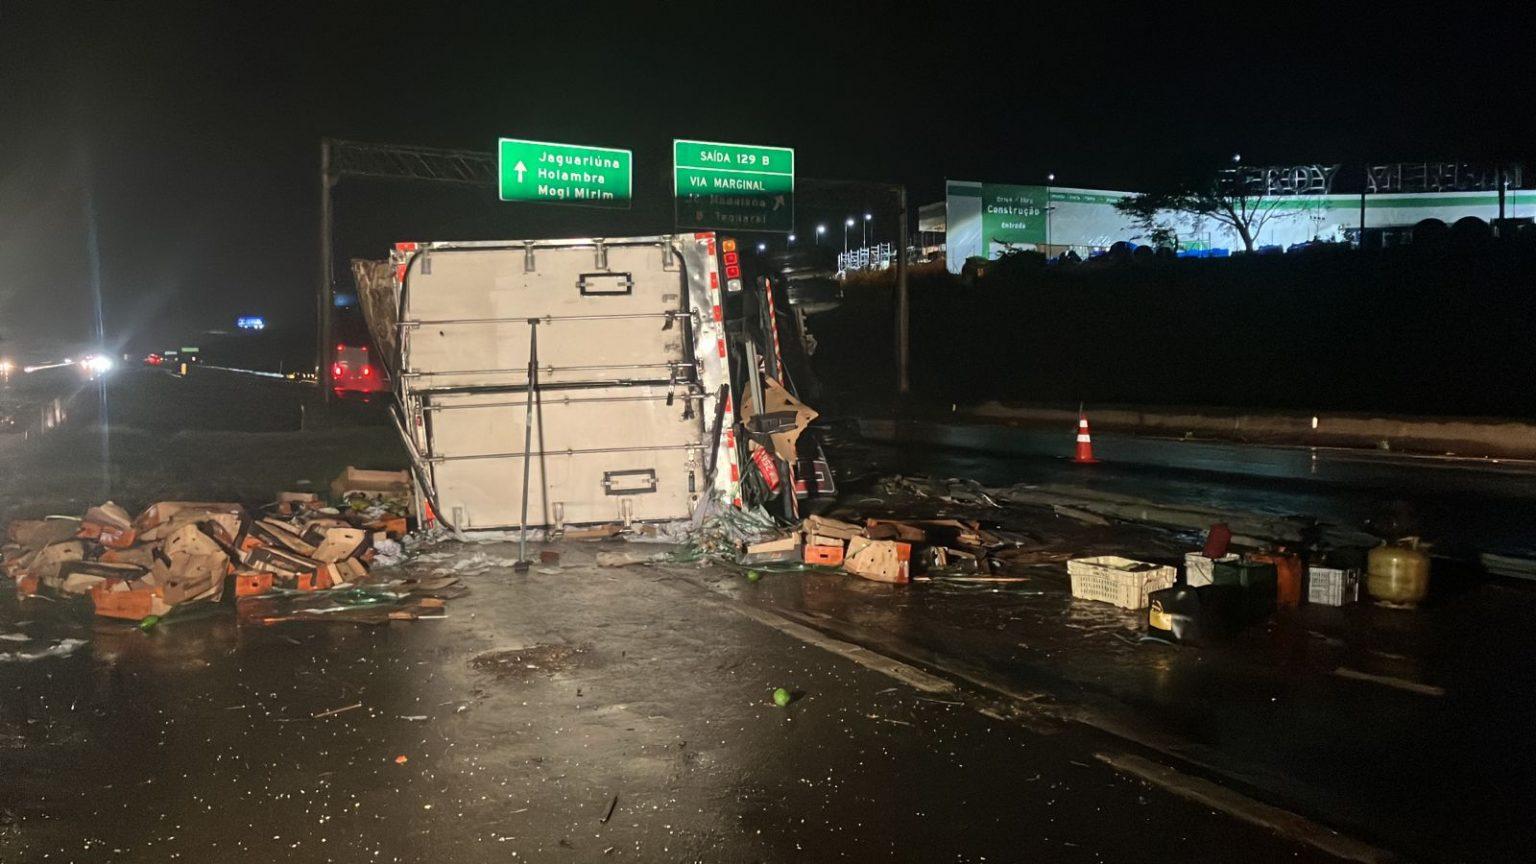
[
  {"x": 1239, "y": 806},
  {"x": 1390, "y": 681}
]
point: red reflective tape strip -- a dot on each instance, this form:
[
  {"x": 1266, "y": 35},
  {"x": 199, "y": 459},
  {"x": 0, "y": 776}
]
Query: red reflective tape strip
[
  {"x": 721, "y": 345},
  {"x": 710, "y": 247},
  {"x": 714, "y": 280},
  {"x": 730, "y": 404},
  {"x": 400, "y": 272},
  {"x": 703, "y": 235},
  {"x": 719, "y": 313},
  {"x": 736, "y": 502},
  {"x": 735, "y": 474},
  {"x": 406, "y": 247},
  {"x": 773, "y": 327}
]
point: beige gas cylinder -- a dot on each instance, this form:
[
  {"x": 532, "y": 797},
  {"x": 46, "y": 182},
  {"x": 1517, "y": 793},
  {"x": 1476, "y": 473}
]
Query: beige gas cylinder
[{"x": 1397, "y": 574}]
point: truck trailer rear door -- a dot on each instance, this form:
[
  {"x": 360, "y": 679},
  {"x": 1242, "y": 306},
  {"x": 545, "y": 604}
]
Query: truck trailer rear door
[{"x": 630, "y": 367}]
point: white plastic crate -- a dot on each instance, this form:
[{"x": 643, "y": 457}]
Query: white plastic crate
[
  {"x": 1200, "y": 570},
  {"x": 1121, "y": 581},
  {"x": 1331, "y": 586}
]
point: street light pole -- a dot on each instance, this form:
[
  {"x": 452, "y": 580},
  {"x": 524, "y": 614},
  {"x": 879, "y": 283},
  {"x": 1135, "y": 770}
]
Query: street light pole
[
  {"x": 868, "y": 217},
  {"x": 1049, "y": 178},
  {"x": 903, "y": 304},
  {"x": 323, "y": 297}
]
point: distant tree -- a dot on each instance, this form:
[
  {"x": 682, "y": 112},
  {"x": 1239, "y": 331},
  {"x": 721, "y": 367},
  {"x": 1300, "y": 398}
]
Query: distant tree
[{"x": 1235, "y": 198}]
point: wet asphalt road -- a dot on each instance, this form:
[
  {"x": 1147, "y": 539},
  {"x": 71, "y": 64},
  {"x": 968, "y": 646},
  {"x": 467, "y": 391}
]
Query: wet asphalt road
[
  {"x": 1424, "y": 772},
  {"x": 547, "y": 699},
  {"x": 1465, "y": 505},
  {"x": 199, "y": 742}
]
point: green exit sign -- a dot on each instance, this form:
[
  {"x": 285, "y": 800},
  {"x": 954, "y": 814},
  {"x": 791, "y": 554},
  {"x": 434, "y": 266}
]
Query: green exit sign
[
  {"x": 564, "y": 173},
  {"x": 742, "y": 187}
]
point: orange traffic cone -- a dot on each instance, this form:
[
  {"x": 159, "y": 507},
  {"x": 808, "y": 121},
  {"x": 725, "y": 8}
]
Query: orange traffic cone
[{"x": 1084, "y": 441}]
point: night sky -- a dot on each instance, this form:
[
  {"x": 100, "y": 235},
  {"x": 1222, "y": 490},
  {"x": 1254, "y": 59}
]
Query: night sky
[{"x": 191, "y": 129}]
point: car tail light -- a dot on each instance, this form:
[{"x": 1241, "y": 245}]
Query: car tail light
[
  {"x": 338, "y": 370},
  {"x": 367, "y": 371}
]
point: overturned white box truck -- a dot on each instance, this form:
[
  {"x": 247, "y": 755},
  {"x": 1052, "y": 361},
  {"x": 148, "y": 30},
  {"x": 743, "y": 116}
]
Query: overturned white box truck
[{"x": 603, "y": 381}]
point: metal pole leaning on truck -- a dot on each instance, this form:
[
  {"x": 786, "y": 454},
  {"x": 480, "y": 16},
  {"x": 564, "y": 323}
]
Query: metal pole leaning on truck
[{"x": 533, "y": 383}]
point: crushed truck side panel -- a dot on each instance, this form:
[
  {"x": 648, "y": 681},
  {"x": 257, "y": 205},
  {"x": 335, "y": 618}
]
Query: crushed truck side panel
[{"x": 632, "y": 375}]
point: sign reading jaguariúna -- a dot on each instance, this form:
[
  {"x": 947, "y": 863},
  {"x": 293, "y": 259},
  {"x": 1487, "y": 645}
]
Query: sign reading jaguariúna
[
  {"x": 742, "y": 187},
  {"x": 564, "y": 173}
]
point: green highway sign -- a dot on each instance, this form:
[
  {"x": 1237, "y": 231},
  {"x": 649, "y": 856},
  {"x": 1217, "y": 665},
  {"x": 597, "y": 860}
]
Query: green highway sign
[
  {"x": 1013, "y": 214},
  {"x": 743, "y": 187},
  {"x": 564, "y": 173}
]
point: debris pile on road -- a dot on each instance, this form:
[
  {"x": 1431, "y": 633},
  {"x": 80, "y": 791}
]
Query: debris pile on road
[
  {"x": 881, "y": 550},
  {"x": 1249, "y": 566},
  {"x": 299, "y": 556}
]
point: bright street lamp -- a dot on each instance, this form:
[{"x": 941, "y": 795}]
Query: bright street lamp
[
  {"x": 762, "y": 247},
  {"x": 847, "y": 223},
  {"x": 820, "y": 230},
  {"x": 791, "y": 238},
  {"x": 868, "y": 217}
]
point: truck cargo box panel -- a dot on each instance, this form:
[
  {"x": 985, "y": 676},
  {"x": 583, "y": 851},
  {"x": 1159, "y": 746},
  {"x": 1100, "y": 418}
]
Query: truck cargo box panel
[{"x": 631, "y": 372}]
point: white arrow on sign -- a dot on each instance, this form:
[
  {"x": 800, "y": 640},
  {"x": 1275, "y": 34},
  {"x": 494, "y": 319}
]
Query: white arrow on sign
[{"x": 519, "y": 168}]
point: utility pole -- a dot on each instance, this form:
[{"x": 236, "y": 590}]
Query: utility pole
[
  {"x": 324, "y": 299},
  {"x": 1503, "y": 179},
  {"x": 903, "y": 305},
  {"x": 339, "y": 159}
]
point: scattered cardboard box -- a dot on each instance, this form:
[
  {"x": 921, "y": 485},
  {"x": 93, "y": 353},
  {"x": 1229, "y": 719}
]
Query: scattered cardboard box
[
  {"x": 180, "y": 552},
  {"x": 824, "y": 555},
  {"x": 340, "y": 543},
  {"x": 37, "y": 533},
  {"x": 879, "y": 560},
  {"x": 252, "y": 584},
  {"x": 371, "y": 484},
  {"x": 79, "y": 577},
  {"x": 890, "y": 529},
  {"x": 133, "y": 601},
  {"x": 773, "y": 551},
  {"x": 822, "y": 526}
]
